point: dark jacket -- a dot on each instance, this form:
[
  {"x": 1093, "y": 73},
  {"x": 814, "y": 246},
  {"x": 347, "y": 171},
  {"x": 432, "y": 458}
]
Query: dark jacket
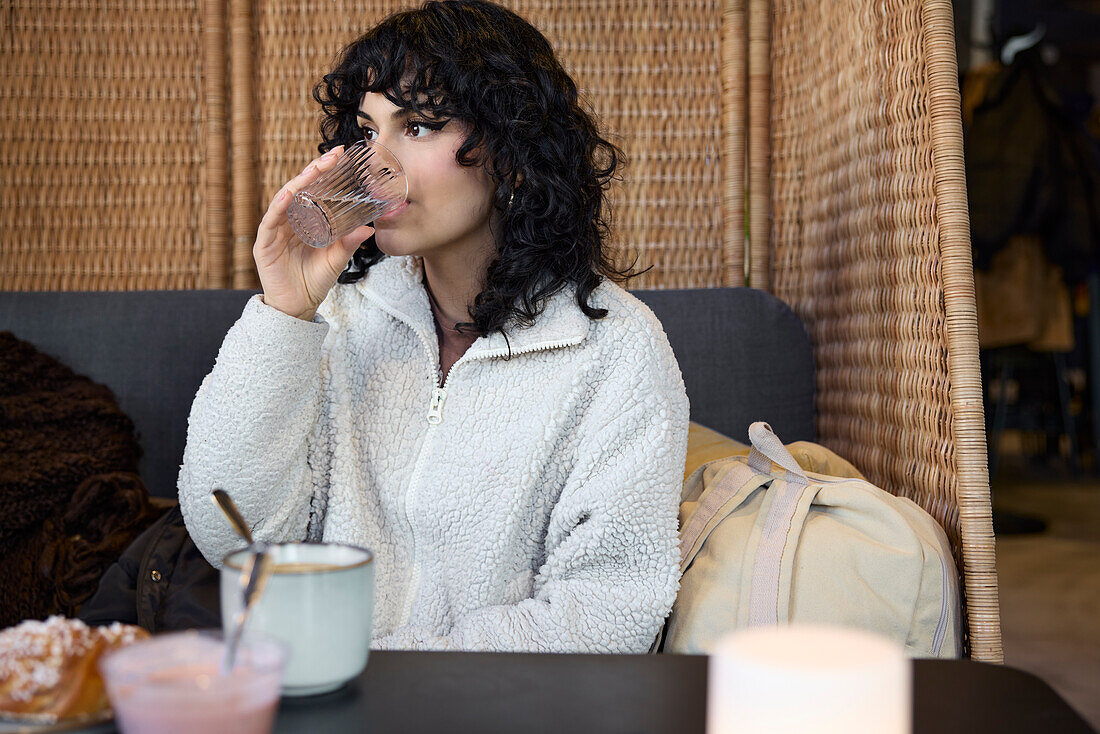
[
  {"x": 161, "y": 582},
  {"x": 1031, "y": 168}
]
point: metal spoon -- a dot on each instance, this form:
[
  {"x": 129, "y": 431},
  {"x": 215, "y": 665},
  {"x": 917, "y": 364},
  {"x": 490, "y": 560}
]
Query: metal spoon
[
  {"x": 226, "y": 504},
  {"x": 254, "y": 575}
]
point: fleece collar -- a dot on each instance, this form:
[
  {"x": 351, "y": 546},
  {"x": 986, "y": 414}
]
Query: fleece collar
[{"x": 396, "y": 285}]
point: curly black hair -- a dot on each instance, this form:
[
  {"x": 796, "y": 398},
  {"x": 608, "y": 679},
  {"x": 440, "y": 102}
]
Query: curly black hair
[{"x": 480, "y": 63}]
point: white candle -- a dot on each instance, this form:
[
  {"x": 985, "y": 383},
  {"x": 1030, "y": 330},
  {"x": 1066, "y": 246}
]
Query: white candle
[{"x": 808, "y": 680}]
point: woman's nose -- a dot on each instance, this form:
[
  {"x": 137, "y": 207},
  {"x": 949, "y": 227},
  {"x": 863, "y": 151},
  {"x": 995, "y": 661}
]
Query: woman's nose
[{"x": 391, "y": 140}]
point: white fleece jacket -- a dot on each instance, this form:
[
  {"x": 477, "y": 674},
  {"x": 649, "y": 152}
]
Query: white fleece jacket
[{"x": 529, "y": 504}]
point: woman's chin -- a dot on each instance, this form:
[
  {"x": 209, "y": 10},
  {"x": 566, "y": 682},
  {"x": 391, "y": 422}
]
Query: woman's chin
[{"x": 392, "y": 246}]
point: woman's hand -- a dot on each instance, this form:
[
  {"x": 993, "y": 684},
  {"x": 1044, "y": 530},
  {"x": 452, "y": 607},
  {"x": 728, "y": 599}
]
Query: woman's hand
[{"x": 296, "y": 277}]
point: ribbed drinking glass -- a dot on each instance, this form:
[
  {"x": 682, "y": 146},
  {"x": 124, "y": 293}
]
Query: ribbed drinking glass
[{"x": 366, "y": 182}]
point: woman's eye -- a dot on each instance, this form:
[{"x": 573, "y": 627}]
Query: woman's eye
[
  {"x": 421, "y": 128},
  {"x": 415, "y": 128}
]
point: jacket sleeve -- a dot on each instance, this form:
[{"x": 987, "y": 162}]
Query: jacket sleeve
[
  {"x": 612, "y": 565},
  {"x": 253, "y": 431}
]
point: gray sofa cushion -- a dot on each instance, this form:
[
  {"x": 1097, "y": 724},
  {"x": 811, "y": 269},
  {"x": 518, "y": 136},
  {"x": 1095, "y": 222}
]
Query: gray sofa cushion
[{"x": 744, "y": 356}]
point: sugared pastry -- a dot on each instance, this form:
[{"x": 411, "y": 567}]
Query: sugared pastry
[{"x": 48, "y": 669}]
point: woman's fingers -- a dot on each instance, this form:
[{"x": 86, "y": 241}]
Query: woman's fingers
[
  {"x": 315, "y": 167},
  {"x": 275, "y": 216},
  {"x": 340, "y": 251},
  {"x": 276, "y": 212},
  {"x": 309, "y": 174},
  {"x": 295, "y": 277}
]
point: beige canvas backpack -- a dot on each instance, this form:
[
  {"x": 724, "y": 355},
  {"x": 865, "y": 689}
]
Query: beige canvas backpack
[{"x": 767, "y": 545}]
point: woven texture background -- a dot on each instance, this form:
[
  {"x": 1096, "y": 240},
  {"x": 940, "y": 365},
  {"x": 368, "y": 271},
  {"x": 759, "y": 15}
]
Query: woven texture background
[
  {"x": 650, "y": 71},
  {"x": 101, "y": 145},
  {"x": 868, "y": 249}
]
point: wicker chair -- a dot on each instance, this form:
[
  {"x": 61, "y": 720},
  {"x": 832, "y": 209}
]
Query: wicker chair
[
  {"x": 858, "y": 219},
  {"x": 870, "y": 244},
  {"x": 845, "y": 117}
]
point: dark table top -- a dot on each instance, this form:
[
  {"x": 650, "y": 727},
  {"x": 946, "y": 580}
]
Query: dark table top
[{"x": 484, "y": 693}]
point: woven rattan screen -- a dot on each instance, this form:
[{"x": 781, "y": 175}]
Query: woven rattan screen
[
  {"x": 871, "y": 248},
  {"x": 649, "y": 70},
  {"x": 101, "y": 145}
]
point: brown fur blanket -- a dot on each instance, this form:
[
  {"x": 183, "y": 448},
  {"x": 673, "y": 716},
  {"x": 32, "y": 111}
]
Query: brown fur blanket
[{"x": 70, "y": 496}]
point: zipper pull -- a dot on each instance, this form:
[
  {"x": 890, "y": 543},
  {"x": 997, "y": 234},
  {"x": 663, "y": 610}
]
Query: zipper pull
[{"x": 435, "y": 408}]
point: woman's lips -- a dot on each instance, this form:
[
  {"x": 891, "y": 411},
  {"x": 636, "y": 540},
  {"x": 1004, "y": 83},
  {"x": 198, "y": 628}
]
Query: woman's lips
[{"x": 391, "y": 214}]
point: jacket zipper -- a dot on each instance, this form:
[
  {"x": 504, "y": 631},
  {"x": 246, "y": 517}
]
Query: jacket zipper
[
  {"x": 439, "y": 393},
  {"x": 435, "y": 407},
  {"x": 945, "y": 609},
  {"x": 435, "y": 413},
  {"x": 434, "y": 418}
]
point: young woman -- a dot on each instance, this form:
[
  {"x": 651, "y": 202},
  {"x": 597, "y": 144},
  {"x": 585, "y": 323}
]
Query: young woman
[{"x": 471, "y": 397}]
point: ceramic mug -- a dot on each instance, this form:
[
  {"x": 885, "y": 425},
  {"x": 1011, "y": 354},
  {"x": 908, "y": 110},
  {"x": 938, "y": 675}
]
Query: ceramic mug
[{"x": 319, "y": 601}]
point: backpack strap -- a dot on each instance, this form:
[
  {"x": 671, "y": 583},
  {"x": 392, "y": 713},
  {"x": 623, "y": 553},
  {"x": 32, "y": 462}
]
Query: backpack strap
[
  {"x": 779, "y": 533},
  {"x": 739, "y": 478},
  {"x": 733, "y": 485},
  {"x": 786, "y": 511},
  {"x": 767, "y": 448},
  {"x": 788, "y": 501}
]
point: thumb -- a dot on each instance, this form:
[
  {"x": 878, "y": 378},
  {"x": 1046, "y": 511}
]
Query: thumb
[{"x": 347, "y": 245}]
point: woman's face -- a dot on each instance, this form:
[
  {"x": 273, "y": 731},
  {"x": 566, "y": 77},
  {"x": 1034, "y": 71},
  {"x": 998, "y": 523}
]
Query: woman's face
[{"x": 449, "y": 206}]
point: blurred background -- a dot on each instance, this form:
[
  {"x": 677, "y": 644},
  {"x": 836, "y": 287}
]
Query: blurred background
[{"x": 1030, "y": 80}]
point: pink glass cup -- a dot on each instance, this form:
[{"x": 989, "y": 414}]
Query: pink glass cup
[
  {"x": 172, "y": 684},
  {"x": 366, "y": 182}
]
